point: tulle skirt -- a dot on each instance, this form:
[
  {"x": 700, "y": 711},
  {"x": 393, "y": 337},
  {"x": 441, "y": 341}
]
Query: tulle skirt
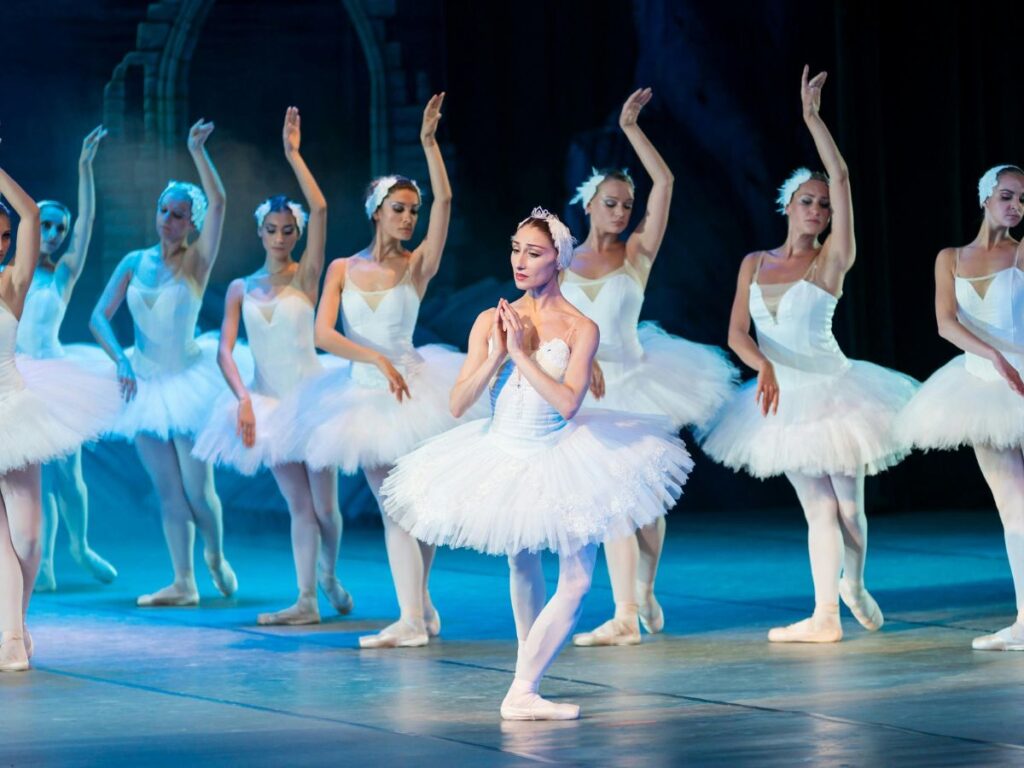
[
  {"x": 349, "y": 419},
  {"x": 840, "y": 425},
  {"x": 178, "y": 402},
  {"x": 219, "y": 442},
  {"x": 954, "y": 408},
  {"x": 682, "y": 380},
  {"x": 601, "y": 476},
  {"x": 60, "y": 406}
]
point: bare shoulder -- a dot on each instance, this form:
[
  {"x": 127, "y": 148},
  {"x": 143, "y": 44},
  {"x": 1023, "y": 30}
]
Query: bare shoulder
[
  {"x": 336, "y": 269},
  {"x": 946, "y": 259},
  {"x": 236, "y": 287}
]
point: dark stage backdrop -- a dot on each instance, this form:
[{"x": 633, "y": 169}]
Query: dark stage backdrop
[{"x": 916, "y": 97}]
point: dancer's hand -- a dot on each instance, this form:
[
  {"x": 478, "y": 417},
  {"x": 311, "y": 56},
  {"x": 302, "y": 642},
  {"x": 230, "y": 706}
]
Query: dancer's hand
[
  {"x": 497, "y": 347},
  {"x": 431, "y": 117},
  {"x": 631, "y": 109},
  {"x": 126, "y": 379},
  {"x": 245, "y": 426},
  {"x": 198, "y": 134},
  {"x": 90, "y": 144},
  {"x": 767, "y": 390},
  {"x": 396, "y": 382},
  {"x": 513, "y": 330},
  {"x": 810, "y": 91},
  {"x": 291, "y": 134},
  {"x": 596, "y": 380},
  {"x": 1009, "y": 373}
]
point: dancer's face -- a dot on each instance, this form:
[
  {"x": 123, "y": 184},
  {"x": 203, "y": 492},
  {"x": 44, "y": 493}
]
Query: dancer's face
[
  {"x": 5, "y": 235},
  {"x": 53, "y": 226},
  {"x": 534, "y": 258},
  {"x": 1005, "y": 206},
  {"x": 810, "y": 210},
  {"x": 397, "y": 215},
  {"x": 279, "y": 233},
  {"x": 612, "y": 206},
  {"x": 174, "y": 216}
]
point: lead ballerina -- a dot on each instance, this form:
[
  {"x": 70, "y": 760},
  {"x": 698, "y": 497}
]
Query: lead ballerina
[
  {"x": 169, "y": 378},
  {"x": 640, "y": 368},
  {"x": 48, "y": 408},
  {"x": 537, "y": 475},
  {"x": 977, "y": 398},
  {"x": 823, "y": 420}
]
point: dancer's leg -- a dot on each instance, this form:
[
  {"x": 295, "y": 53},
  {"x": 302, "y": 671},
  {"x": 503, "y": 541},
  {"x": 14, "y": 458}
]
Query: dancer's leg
[
  {"x": 197, "y": 480},
  {"x": 1004, "y": 473},
  {"x": 305, "y": 535},
  {"x": 46, "y": 580},
  {"x": 73, "y": 500},
  {"x": 20, "y": 550},
  {"x": 323, "y": 486},
  {"x": 546, "y": 637},
  {"x": 527, "y": 590},
  {"x": 622, "y": 556},
  {"x": 849, "y": 492},
  {"x": 651, "y": 539},
  {"x": 825, "y": 546},
  {"x": 161, "y": 463},
  {"x": 405, "y": 557}
]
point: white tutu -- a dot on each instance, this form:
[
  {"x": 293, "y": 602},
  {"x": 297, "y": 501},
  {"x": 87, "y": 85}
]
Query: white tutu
[
  {"x": 219, "y": 442},
  {"x": 177, "y": 402},
  {"x": 680, "y": 379},
  {"x": 841, "y": 425},
  {"x": 601, "y": 476},
  {"x": 349, "y": 419},
  {"x": 60, "y": 406},
  {"x": 954, "y": 408}
]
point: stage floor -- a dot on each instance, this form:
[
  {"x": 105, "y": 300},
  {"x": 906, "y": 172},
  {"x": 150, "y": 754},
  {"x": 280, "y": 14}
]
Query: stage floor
[{"x": 118, "y": 685}]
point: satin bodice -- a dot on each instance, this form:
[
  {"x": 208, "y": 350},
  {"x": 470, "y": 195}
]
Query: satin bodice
[
  {"x": 384, "y": 321},
  {"x": 280, "y": 334},
  {"x": 42, "y": 317},
  {"x": 613, "y": 301},
  {"x": 997, "y": 317},
  {"x": 798, "y": 338},
  {"x": 517, "y": 409},
  {"x": 10, "y": 379},
  {"x": 165, "y": 326}
]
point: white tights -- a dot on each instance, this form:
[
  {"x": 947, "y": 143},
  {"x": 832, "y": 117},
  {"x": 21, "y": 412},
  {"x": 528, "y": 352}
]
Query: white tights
[
  {"x": 1004, "y": 473},
  {"x": 633, "y": 567},
  {"x": 20, "y": 506},
  {"x": 312, "y": 498},
  {"x": 837, "y": 531},
  {"x": 543, "y": 629},
  {"x": 410, "y": 561}
]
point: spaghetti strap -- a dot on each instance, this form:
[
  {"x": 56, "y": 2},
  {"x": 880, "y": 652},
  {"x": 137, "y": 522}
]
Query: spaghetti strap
[
  {"x": 956, "y": 263},
  {"x": 812, "y": 269},
  {"x": 757, "y": 269}
]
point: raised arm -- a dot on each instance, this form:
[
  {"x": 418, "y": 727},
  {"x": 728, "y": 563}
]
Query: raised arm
[
  {"x": 842, "y": 249},
  {"x": 73, "y": 262},
  {"x": 743, "y": 344},
  {"x": 15, "y": 279},
  {"x": 209, "y": 238},
  {"x": 955, "y": 332},
  {"x": 427, "y": 257},
  {"x": 246, "y": 423},
  {"x": 99, "y": 322},
  {"x": 311, "y": 265},
  {"x": 329, "y": 340},
  {"x": 485, "y": 353},
  {"x": 642, "y": 246},
  {"x": 566, "y": 395}
]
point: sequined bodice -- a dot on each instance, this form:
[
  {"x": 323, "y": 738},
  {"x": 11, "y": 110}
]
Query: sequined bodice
[
  {"x": 10, "y": 379},
  {"x": 613, "y": 302},
  {"x": 517, "y": 409},
  {"x": 997, "y": 317},
  {"x": 280, "y": 333},
  {"x": 798, "y": 338},
  {"x": 381, "y": 320},
  {"x": 165, "y": 325},
  {"x": 42, "y": 316}
]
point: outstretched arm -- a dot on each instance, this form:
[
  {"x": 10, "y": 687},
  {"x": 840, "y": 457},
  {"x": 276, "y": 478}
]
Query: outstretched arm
[
  {"x": 642, "y": 246},
  {"x": 311, "y": 265},
  {"x": 743, "y": 344},
  {"x": 209, "y": 238},
  {"x": 18, "y": 277},
  {"x": 73, "y": 262},
  {"x": 842, "y": 249},
  {"x": 427, "y": 257}
]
